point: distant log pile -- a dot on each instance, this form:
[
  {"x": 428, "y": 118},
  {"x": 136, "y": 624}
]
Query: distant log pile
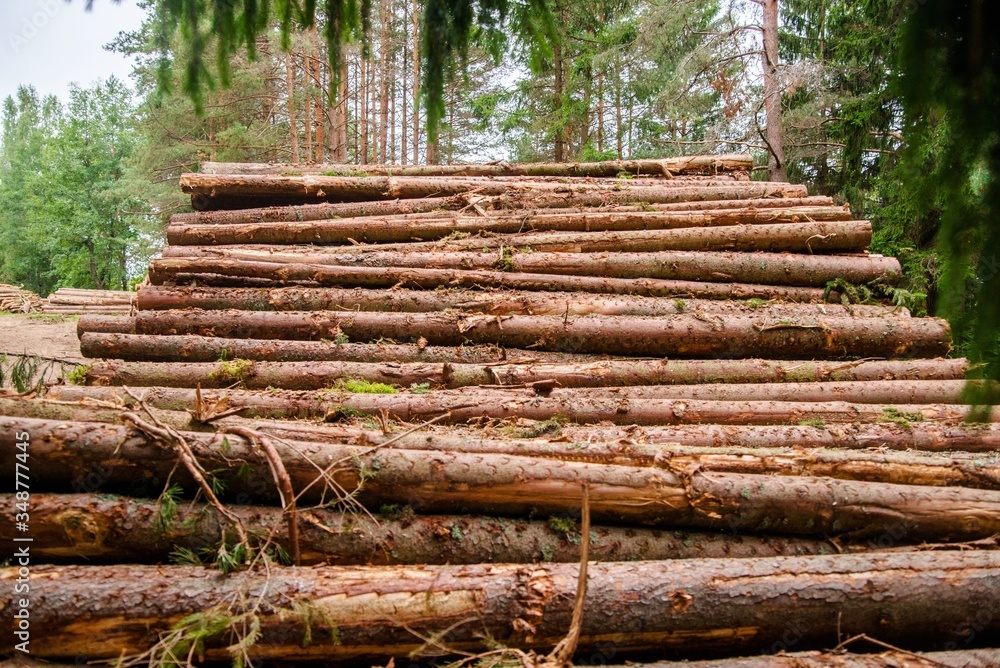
[
  {"x": 509, "y": 415},
  {"x": 77, "y": 301},
  {"x": 18, "y": 300}
]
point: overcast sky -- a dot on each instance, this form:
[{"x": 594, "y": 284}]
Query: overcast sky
[{"x": 51, "y": 43}]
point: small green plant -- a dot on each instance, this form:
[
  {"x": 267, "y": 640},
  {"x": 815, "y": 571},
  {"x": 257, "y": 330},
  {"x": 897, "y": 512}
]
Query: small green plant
[
  {"x": 166, "y": 510},
  {"x": 756, "y": 302},
  {"x": 456, "y": 532},
  {"x": 625, "y": 175},
  {"x": 553, "y": 427},
  {"x": 506, "y": 260},
  {"x": 229, "y": 373},
  {"x": 78, "y": 374},
  {"x": 362, "y": 386},
  {"x": 341, "y": 339},
  {"x": 898, "y": 417},
  {"x": 26, "y": 373},
  {"x": 339, "y": 412},
  {"x": 813, "y": 422},
  {"x": 420, "y": 388},
  {"x": 564, "y": 525},
  {"x": 680, "y": 305}
]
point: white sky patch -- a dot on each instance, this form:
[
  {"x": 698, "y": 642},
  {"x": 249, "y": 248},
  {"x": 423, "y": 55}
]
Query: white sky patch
[{"x": 52, "y": 43}]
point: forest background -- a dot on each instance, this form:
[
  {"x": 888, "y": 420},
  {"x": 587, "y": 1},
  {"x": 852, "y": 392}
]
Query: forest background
[{"x": 86, "y": 186}]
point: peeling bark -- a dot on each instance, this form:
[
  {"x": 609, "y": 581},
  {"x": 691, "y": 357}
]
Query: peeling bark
[
  {"x": 610, "y": 373},
  {"x": 506, "y": 302},
  {"x": 402, "y": 228},
  {"x": 712, "y": 266},
  {"x": 510, "y": 485},
  {"x": 675, "y": 336},
  {"x": 71, "y": 528},
  {"x": 737, "y": 605},
  {"x": 574, "y": 405}
]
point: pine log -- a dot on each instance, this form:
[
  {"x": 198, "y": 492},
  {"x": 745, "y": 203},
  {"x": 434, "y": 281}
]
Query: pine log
[
  {"x": 675, "y": 336},
  {"x": 106, "y": 324},
  {"x": 507, "y": 302},
  {"x": 764, "y": 268},
  {"x": 234, "y": 192},
  {"x": 892, "y": 432},
  {"x": 101, "y": 529},
  {"x": 610, "y": 373},
  {"x": 693, "y": 164},
  {"x": 153, "y": 348},
  {"x": 777, "y": 658},
  {"x": 226, "y": 273},
  {"x": 86, "y": 411},
  {"x": 371, "y": 614},
  {"x": 366, "y": 188},
  {"x": 488, "y": 206},
  {"x": 424, "y": 228},
  {"x": 509, "y": 485},
  {"x": 780, "y": 457},
  {"x": 835, "y": 237},
  {"x": 475, "y": 404}
]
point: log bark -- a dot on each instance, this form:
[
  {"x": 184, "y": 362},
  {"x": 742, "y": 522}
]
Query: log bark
[
  {"x": 833, "y": 237},
  {"x": 873, "y": 464},
  {"x": 227, "y": 273},
  {"x": 70, "y": 528},
  {"x": 106, "y": 324},
  {"x": 964, "y": 658},
  {"x": 666, "y": 167},
  {"x": 367, "y": 188},
  {"x": 104, "y": 612},
  {"x": 562, "y": 437},
  {"x": 610, "y": 373},
  {"x": 510, "y": 485},
  {"x": 374, "y": 229},
  {"x": 475, "y": 404},
  {"x": 507, "y": 302},
  {"x": 890, "y": 434},
  {"x": 785, "y": 269},
  {"x": 152, "y": 348},
  {"x": 675, "y": 336},
  {"x": 44, "y": 409},
  {"x": 490, "y": 206},
  {"x": 233, "y": 192}
]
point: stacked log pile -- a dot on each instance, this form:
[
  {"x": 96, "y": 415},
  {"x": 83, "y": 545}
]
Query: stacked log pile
[
  {"x": 79, "y": 301},
  {"x": 14, "y": 299},
  {"x": 511, "y": 413}
]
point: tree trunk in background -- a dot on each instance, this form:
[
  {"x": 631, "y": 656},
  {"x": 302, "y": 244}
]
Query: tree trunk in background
[
  {"x": 415, "y": 23},
  {"x": 557, "y": 96},
  {"x": 307, "y": 103},
  {"x": 293, "y": 128},
  {"x": 772, "y": 92},
  {"x": 317, "y": 81},
  {"x": 383, "y": 143},
  {"x": 344, "y": 108}
]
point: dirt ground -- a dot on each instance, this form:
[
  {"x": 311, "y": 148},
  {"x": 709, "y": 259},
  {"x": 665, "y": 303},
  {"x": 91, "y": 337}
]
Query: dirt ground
[
  {"x": 43, "y": 335},
  {"x": 46, "y": 335}
]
